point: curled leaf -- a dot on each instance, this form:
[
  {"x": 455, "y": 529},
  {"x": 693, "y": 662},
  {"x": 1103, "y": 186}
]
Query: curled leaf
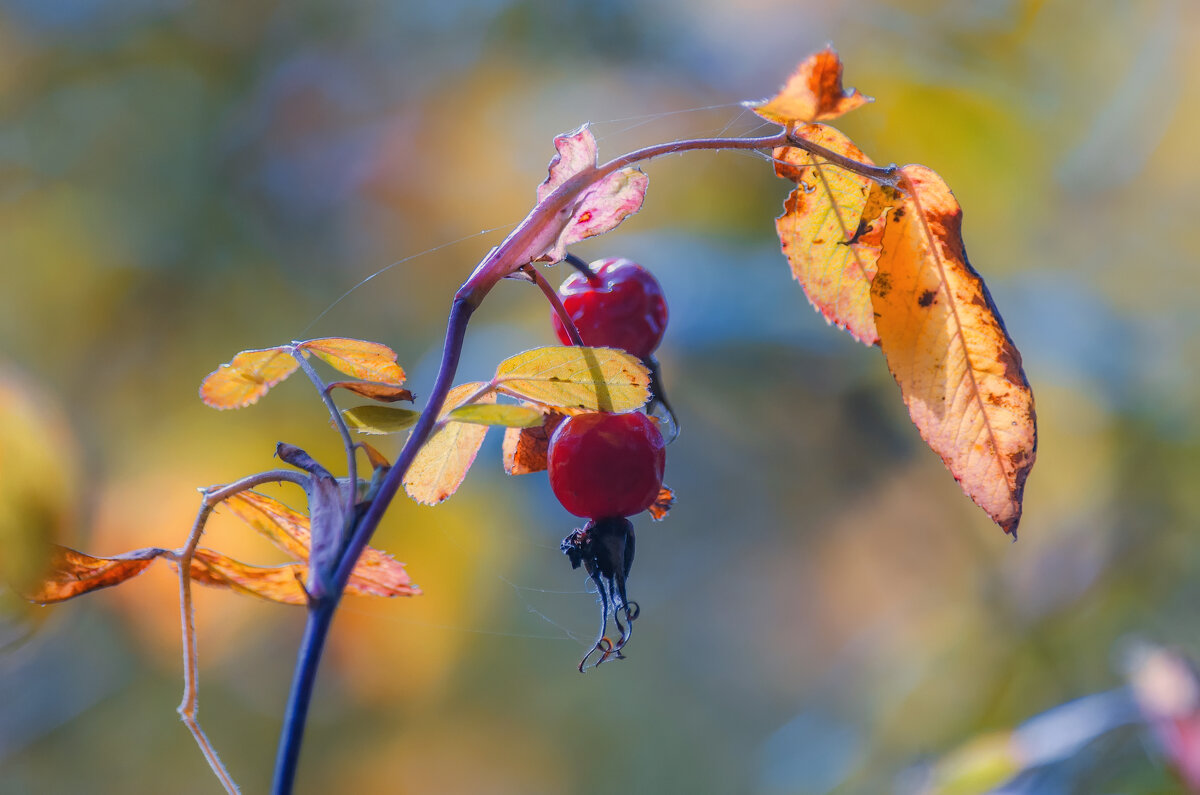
[
  {"x": 384, "y": 393},
  {"x": 378, "y": 460},
  {"x": 958, "y": 370},
  {"x": 442, "y": 463},
  {"x": 813, "y": 93},
  {"x": 497, "y": 414},
  {"x": 327, "y": 513},
  {"x": 71, "y": 573},
  {"x": 247, "y": 377},
  {"x": 602, "y": 206},
  {"x": 379, "y": 420},
  {"x": 371, "y": 361},
  {"x": 830, "y": 233},
  {"x": 525, "y": 448},
  {"x": 573, "y": 377}
]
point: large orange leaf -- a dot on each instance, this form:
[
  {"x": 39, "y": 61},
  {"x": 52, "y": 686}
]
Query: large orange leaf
[
  {"x": 813, "y": 93},
  {"x": 247, "y": 377},
  {"x": 371, "y": 361},
  {"x": 442, "y": 464},
  {"x": 831, "y": 246},
  {"x": 71, "y": 573},
  {"x": 958, "y": 370}
]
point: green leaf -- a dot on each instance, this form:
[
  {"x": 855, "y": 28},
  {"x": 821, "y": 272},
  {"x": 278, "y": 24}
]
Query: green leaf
[
  {"x": 379, "y": 419},
  {"x": 505, "y": 415}
]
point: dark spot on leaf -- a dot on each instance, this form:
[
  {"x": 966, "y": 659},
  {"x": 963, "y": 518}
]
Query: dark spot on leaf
[
  {"x": 896, "y": 216},
  {"x": 927, "y": 298},
  {"x": 881, "y": 284}
]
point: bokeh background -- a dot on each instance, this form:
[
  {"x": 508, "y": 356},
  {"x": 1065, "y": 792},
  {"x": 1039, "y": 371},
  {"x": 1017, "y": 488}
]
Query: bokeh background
[{"x": 822, "y": 612}]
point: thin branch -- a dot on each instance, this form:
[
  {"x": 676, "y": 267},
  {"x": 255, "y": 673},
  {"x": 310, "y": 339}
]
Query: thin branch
[
  {"x": 340, "y": 423},
  {"x": 188, "y": 708},
  {"x": 556, "y": 302}
]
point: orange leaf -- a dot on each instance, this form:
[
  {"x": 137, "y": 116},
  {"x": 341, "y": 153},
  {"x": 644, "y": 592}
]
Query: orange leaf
[
  {"x": 376, "y": 574},
  {"x": 813, "y": 93},
  {"x": 525, "y": 448},
  {"x": 72, "y": 573},
  {"x": 247, "y": 377},
  {"x": 663, "y": 504},
  {"x": 368, "y": 360},
  {"x": 283, "y": 527},
  {"x": 442, "y": 463},
  {"x": 830, "y": 243},
  {"x": 958, "y": 370},
  {"x": 276, "y": 583},
  {"x": 384, "y": 393}
]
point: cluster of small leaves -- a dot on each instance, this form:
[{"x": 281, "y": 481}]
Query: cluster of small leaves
[{"x": 886, "y": 262}]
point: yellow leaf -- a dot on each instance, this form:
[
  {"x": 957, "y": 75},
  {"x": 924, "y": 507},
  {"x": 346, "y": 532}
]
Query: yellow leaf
[
  {"x": 813, "y": 93},
  {"x": 574, "y": 378},
  {"x": 495, "y": 414},
  {"x": 958, "y": 370},
  {"x": 246, "y": 378},
  {"x": 368, "y": 360},
  {"x": 439, "y": 468},
  {"x": 829, "y": 242}
]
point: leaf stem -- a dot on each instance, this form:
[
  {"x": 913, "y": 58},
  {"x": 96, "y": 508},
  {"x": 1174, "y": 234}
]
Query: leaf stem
[
  {"x": 556, "y": 302},
  {"x": 321, "y": 611},
  {"x": 339, "y": 422}
]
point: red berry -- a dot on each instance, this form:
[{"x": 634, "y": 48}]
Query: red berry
[
  {"x": 622, "y": 307},
  {"x": 606, "y": 465}
]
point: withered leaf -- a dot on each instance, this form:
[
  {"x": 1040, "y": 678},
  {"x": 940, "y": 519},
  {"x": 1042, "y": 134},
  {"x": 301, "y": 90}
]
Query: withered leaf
[
  {"x": 71, "y": 573},
  {"x": 525, "y": 448},
  {"x": 813, "y": 93}
]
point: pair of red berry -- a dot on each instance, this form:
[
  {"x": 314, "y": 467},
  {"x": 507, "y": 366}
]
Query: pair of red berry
[{"x": 608, "y": 467}]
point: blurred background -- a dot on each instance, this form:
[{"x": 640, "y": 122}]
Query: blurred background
[{"x": 823, "y": 611}]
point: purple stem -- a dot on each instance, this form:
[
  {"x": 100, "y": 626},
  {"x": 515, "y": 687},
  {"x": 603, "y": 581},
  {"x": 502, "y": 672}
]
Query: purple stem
[{"x": 321, "y": 612}]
